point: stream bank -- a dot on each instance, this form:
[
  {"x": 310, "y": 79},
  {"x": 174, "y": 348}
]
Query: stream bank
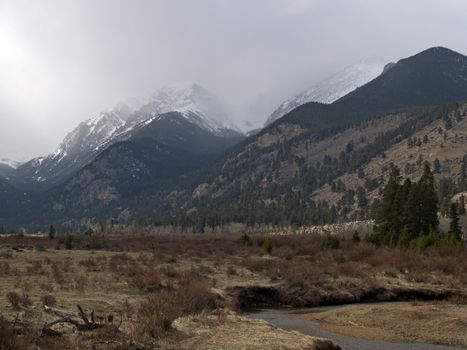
[{"x": 293, "y": 320}]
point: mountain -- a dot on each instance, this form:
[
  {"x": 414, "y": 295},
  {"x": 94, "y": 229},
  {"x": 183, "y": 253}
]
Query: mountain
[
  {"x": 7, "y": 166},
  {"x": 191, "y": 101},
  {"x": 276, "y": 176},
  {"x": 123, "y": 179},
  {"x": 78, "y": 148},
  {"x": 333, "y": 88},
  {"x": 16, "y": 205}
]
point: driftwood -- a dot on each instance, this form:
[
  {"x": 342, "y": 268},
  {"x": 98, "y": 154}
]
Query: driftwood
[{"x": 82, "y": 325}]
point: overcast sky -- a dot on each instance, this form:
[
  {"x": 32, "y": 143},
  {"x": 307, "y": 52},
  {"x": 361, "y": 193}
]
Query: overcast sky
[{"x": 63, "y": 61}]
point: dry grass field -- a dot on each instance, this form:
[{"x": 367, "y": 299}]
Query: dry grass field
[
  {"x": 174, "y": 291},
  {"x": 429, "y": 322}
]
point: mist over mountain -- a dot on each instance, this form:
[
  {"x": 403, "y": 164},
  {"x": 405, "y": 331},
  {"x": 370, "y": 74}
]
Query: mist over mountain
[
  {"x": 333, "y": 88},
  {"x": 92, "y": 136}
]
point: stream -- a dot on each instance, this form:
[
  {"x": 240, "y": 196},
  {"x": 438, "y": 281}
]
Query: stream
[{"x": 291, "y": 320}]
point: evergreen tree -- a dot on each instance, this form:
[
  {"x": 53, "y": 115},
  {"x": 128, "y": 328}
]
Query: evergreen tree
[
  {"x": 436, "y": 166},
  {"x": 454, "y": 227},
  {"x": 361, "y": 198},
  {"x": 52, "y": 232},
  {"x": 428, "y": 201},
  {"x": 387, "y": 215},
  {"x": 463, "y": 175},
  {"x": 462, "y": 205}
]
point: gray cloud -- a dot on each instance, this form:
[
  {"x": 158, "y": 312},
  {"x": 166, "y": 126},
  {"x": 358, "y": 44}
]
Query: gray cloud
[{"x": 64, "y": 61}]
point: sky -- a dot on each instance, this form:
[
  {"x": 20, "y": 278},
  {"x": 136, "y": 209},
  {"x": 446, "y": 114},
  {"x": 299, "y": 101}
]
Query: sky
[{"x": 63, "y": 61}]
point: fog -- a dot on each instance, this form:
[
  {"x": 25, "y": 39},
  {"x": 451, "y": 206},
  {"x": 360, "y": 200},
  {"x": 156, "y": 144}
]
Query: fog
[{"x": 64, "y": 61}]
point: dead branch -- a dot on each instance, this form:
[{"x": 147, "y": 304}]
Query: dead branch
[
  {"x": 82, "y": 314},
  {"x": 85, "y": 325}
]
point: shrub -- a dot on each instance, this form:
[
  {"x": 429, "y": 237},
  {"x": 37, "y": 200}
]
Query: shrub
[
  {"x": 68, "y": 242},
  {"x": 246, "y": 239},
  {"x": 14, "y": 299},
  {"x": 356, "y": 237},
  {"x": 267, "y": 246},
  {"x": 48, "y": 300},
  {"x": 423, "y": 242},
  {"x": 148, "y": 281},
  {"x": 330, "y": 242},
  {"x": 160, "y": 308}
]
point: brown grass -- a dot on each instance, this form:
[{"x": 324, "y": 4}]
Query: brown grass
[{"x": 148, "y": 281}]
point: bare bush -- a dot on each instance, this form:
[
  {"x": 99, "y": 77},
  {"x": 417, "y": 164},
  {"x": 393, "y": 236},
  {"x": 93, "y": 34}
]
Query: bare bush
[
  {"x": 48, "y": 300},
  {"x": 15, "y": 299},
  {"x": 160, "y": 308},
  {"x": 148, "y": 281}
]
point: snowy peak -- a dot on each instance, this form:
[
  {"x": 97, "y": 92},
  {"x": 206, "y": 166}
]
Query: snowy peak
[
  {"x": 333, "y": 88},
  {"x": 91, "y": 134},
  {"x": 194, "y": 102}
]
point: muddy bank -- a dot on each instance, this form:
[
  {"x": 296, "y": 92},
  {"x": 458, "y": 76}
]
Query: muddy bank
[{"x": 246, "y": 297}]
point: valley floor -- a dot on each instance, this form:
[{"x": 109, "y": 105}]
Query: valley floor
[{"x": 172, "y": 292}]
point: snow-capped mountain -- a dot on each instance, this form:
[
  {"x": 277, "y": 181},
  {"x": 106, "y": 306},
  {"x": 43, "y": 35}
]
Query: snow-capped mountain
[
  {"x": 89, "y": 138},
  {"x": 194, "y": 102},
  {"x": 333, "y": 88},
  {"x": 7, "y": 167},
  {"x": 9, "y": 163},
  {"x": 78, "y": 147}
]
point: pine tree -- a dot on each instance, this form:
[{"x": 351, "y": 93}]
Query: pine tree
[
  {"x": 462, "y": 205},
  {"x": 436, "y": 166},
  {"x": 52, "y": 232},
  {"x": 387, "y": 215},
  {"x": 412, "y": 212},
  {"x": 454, "y": 227},
  {"x": 463, "y": 175},
  {"x": 361, "y": 197},
  {"x": 429, "y": 201}
]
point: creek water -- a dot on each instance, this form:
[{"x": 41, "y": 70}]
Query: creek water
[{"x": 291, "y": 320}]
